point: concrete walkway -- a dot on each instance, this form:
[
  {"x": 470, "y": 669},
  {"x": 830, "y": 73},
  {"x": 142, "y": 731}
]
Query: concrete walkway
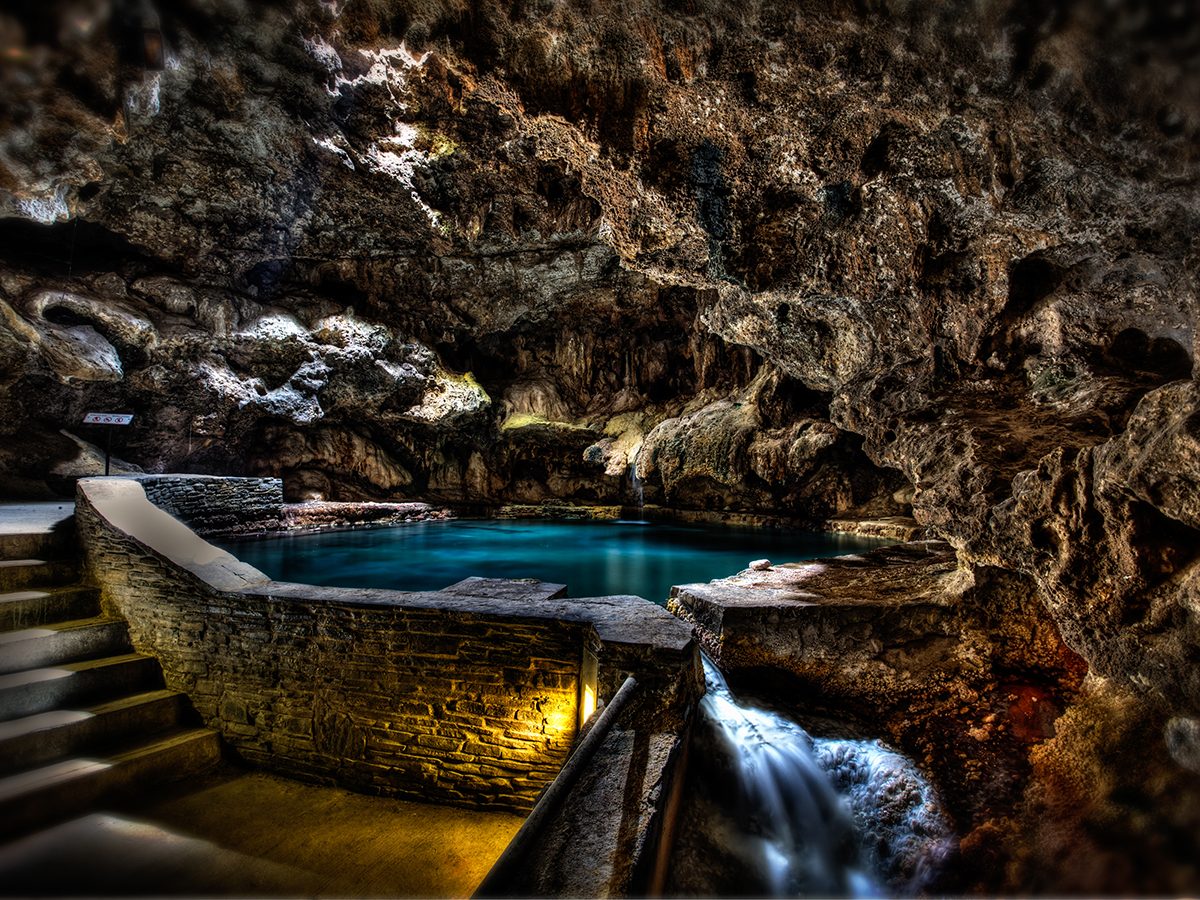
[
  {"x": 34, "y": 518},
  {"x": 240, "y": 834}
]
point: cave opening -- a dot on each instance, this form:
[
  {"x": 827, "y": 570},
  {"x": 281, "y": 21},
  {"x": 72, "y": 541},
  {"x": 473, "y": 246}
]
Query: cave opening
[{"x": 74, "y": 247}]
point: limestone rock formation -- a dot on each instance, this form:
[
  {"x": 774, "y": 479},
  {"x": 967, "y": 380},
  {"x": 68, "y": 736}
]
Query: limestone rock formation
[{"x": 800, "y": 259}]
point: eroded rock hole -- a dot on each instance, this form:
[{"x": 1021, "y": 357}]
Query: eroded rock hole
[
  {"x": 77, "y": 247},
  {"x": 710, "y": 189},
  {"x": 62, "y": 316},
  {"x": 1169, "y": 358},
  {"x": 879, "y": 157},
  {"x": 1162, "y": 545},
  {"x": 1030, "y": 280},
  {"x": 1044, "y": 538},
  {"x": 840, "y": 201},
  {"x": 268, "y": 276},
  {"x": 1192, "y": 425},
  {"x": 1130, "y": 346}
]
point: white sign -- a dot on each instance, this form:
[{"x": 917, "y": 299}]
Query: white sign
[{"x": 108, "y": 418}]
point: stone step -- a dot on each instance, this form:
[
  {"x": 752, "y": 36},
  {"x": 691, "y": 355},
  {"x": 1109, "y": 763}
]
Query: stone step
[
  {"x": 45, "y": 544},
  {"x": 23, "y": 574},
  {"x": 44, "y": 737},
  {"x": 39, "y": 690},
  {"x": 60, "y": 642},
  {"x": 105, "y": 855},
  {"x": 26, "y": 609},
  {"x": 52, "y": 793}
]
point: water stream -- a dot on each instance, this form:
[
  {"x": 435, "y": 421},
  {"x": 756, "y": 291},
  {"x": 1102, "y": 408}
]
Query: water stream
[
  {"x": 819, "y": 817},
  {"x": 636, "y": 490}
]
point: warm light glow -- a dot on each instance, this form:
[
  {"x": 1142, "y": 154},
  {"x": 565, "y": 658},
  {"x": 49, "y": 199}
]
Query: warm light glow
[
  {"x": 588, "y": 677},
  {"x": 589, "y": 701},
  {"x": 556, "y": 721}
]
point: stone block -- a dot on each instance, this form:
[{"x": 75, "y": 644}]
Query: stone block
[
  {"x": 438, "y": 743},
  {"x": 233, "y": 711}
]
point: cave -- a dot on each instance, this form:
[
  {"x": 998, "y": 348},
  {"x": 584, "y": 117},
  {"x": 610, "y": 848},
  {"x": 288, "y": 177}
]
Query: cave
[{"x": 889, "y": 309}]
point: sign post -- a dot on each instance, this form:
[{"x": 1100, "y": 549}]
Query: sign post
[{"x": 108, "y": 420}]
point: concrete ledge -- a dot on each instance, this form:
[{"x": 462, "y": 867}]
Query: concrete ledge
[{"x": 126, "y": 508}]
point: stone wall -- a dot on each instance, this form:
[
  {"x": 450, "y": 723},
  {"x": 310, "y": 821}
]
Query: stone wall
[
  {"x": 211, "y": 504},
  {"x": 467, "y": 696}
]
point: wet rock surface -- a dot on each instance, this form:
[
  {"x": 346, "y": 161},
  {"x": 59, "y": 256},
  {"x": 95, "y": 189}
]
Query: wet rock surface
[
  {"x": 963, "y": 674},
  {"x": 965, "y": 670},
  {"x": 814, "y": 262}
]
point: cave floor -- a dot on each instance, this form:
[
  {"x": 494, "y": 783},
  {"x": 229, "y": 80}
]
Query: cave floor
[{"x": 238, "y": 833}]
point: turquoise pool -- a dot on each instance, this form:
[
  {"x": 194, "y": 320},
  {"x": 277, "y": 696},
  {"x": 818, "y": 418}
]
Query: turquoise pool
[{"x": 591, "y": 558}]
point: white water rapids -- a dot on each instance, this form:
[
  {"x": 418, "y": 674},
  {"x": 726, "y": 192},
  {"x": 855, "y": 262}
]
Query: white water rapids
[{"x": 826, "y": 817}]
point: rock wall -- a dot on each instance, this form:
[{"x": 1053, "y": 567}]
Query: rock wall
[
  {"x": 211, "y": 505},
  {"x": 800, "y": 259},
  {"x": 463, "y": 697},
  {"x": 496, "y": 343}
]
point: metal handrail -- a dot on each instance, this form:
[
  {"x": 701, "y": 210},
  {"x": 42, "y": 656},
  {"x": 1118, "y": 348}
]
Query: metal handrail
[{"x": 493, "y": 884}]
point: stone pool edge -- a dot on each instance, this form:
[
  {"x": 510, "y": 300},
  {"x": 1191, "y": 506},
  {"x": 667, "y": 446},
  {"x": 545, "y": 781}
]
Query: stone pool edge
[{"x": 262, "y": 660}]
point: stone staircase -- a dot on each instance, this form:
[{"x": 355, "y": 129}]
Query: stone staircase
[{"x": 83, "y": 718}]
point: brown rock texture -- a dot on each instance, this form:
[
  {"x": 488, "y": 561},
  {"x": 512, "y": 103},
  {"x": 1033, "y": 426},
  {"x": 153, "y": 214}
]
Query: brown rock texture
[
  {"x": 964, "y": 669},
  {"x": 792, "y": 259}
]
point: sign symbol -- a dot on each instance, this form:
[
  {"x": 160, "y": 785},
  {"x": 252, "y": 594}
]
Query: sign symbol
[
  {"x": 96, "y": 418},
  {"x": 109, "y": 419}
]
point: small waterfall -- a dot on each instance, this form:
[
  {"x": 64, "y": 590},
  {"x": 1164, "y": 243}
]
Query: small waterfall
[
  {"x": 635, "y": 486},
  {"x": 825, "y": 817},
  {"x": 636, "y": 493}
]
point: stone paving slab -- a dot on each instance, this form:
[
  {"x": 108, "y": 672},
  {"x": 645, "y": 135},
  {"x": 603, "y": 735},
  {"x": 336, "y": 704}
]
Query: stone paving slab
[{"x": 522, "y": 590}]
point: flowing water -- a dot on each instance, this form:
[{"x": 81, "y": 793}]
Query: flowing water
[
  {"x": 636, "y": 490},
  {"x": 820, "y": 817},
  {"x": 591, "y": 558}
]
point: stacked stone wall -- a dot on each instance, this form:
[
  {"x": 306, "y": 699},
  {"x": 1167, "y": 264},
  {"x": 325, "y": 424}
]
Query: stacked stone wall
[
  {"x": 404, "y": 698},
  {"x": 210, "y": 504}
]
